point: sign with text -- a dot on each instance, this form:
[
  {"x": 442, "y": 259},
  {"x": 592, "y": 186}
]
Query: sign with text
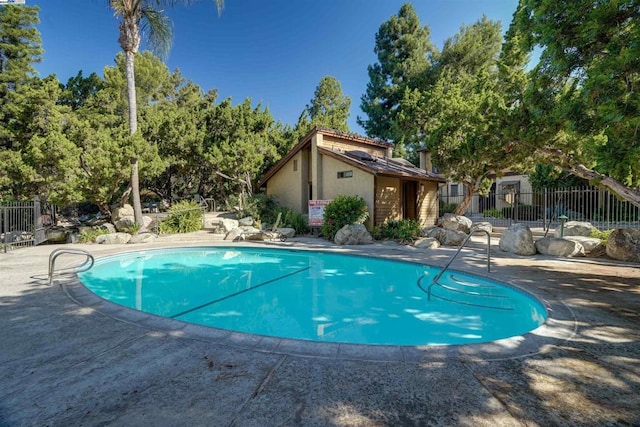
[{"x": 316, "y": 212}]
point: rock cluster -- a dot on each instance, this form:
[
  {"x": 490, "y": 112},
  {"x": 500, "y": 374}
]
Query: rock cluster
[
  {"x": 245, "y": 229},
  {"x": 623, "y": 244},
  {"x": 119, "y": 230}
]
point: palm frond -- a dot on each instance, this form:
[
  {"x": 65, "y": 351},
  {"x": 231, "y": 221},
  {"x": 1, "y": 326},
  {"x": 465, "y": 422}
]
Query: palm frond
[{"x": 158, "y": 30}]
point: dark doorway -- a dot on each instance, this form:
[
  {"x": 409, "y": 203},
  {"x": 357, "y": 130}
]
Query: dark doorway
[{"x": 409, "y": 199}]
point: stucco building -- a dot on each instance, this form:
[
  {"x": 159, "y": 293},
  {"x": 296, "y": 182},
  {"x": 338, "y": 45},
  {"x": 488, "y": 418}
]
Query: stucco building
[{"x": 327, "y": 163}]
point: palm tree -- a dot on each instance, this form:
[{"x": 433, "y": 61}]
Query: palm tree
[{"x": 146, "y": 15}]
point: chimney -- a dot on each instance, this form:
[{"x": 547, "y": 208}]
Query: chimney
[{"x": 425, "y": 161}]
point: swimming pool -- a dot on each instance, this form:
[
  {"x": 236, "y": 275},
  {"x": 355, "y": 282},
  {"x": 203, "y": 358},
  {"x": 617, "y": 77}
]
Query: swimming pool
[{"x": 316, "y": 296}]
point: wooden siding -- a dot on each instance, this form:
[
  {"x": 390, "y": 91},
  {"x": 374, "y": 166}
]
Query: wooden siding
[
  {"x": 387, "y": 199},
  {"x": 428, "y": 203}
]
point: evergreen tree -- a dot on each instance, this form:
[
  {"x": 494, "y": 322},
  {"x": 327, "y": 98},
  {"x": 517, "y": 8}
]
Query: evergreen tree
[
  {"x": 455, "y": 110},
  {"x": 20, "y": 44},
  {"x": 239, "y": 142},
  {"x": 79, "y": 89},
  {"x": 404, "y": 52},
  {"x": 329, "y": 108},
  {"x": 579, "y": 108},
  {"x": 20, "y": 48},
  {"x": 100, "y": 129}
]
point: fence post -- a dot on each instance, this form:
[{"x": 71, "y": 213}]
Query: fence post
[{"x": 3, "y": 217}]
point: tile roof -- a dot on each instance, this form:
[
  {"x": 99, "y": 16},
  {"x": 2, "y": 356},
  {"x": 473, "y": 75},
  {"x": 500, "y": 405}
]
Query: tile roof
[{"x": 375, "y": 165}]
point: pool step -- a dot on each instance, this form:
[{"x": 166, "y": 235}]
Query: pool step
[{"x": 459, "y": 291}]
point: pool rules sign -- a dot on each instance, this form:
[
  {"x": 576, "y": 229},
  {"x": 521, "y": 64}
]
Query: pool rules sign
[{"x": 316, "y": 212}]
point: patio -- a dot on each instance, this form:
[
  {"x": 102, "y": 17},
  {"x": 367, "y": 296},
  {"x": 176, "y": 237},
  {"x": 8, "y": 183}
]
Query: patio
[{"x": 68, "y": 358}]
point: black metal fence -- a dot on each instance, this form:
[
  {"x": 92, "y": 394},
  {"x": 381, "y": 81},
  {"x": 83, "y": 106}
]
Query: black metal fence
[
  {"x": 24, "y": 223},
  {"x": 546, "y": 208}
]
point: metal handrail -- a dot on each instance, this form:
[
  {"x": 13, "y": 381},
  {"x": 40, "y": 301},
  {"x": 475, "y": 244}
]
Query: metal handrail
[
  {"x": 464, "y": 242},
  {"x": 79, "y": 269}
]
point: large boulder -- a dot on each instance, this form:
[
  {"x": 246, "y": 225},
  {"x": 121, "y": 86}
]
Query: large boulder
[
  {"x": 427, "y": 243},
  {"x": 426, "y": 231},
  {"x": 222, "y": 225},
  {"x": 455, "y": 222},
  {"x": 244, "y": 232},
  {"x": 556, "y": 246},
  {"x": 590, "y": 244},
  {"x": 574, "y": 228},
  {"x": 246, "y": 221},
  {"x": 234, "y": 234},
  {"x": 624, "y": 244},
  {"x": 354, "y": 234},
  {"x": 447, "y": 237},
  {"x": 518, "y": 239},
  {"x": 57, "y": 235},
  {"x": 482, "y": 226},
  {"x": 287, "y": 232},
  {"x": 109, "y": 227},
  {"x": 113, "y": 239},
  {"x": 147, "y": 222},
  {"x": 123, "y": 218},
  {"x": 143, "y": 238}
]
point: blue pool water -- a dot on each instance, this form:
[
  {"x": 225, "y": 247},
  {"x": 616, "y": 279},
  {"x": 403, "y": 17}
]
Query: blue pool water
[{"x": 315, "y": 296}]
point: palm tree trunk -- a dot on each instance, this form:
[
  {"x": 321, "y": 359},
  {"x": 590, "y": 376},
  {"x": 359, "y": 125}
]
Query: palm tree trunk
[
  {"x": 133, "y": 127},
  {"x": 131, "y": 92}
]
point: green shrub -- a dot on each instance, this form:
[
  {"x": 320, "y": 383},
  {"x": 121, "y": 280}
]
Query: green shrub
[
  {"x": 602, "y": 235},
  {"x": 134, "y": 229},
  {"x": 295, "y": 220},
  {"x": 447, "y": 208},
  {"x": 89, "y": 235},
  {"x": 343, "y": 210},
  {"x": 260, "y": 207},
  {"x": 493, "y": 213},
  {"x": 288, "y": 218},
  {"x": 405, "y": 230},
  {"x": 184, "y": 217}
]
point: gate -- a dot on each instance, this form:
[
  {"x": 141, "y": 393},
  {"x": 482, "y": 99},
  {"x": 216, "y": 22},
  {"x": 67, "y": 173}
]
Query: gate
[{"x": 24, "y": 223}]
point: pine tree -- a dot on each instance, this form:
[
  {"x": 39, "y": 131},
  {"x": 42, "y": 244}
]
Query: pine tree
[
  {"x": 456, "y": 108},
  {"x": 329, "y": 108},
  {"x": 20, "y": 48},
  {"x": 404, "y": 52}
]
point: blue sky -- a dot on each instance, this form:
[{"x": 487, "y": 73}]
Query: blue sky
[{"x": 273, "y": 52}]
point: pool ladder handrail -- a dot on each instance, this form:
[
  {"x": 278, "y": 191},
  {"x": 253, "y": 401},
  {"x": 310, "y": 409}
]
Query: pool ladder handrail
[
  {"x": 464, "y": 242},
  {"x": 86, "y": 265}
]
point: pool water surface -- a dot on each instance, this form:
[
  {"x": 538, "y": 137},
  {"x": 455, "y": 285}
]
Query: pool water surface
[{"x": 315, "y": 296}]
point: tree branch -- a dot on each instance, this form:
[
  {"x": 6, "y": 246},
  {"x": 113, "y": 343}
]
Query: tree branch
[{"x": 580, "y": 170}]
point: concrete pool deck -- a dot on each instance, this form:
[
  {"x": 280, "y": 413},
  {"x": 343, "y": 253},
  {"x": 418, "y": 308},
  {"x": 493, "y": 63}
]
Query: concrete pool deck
[{"x": 68, "y": 358}]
